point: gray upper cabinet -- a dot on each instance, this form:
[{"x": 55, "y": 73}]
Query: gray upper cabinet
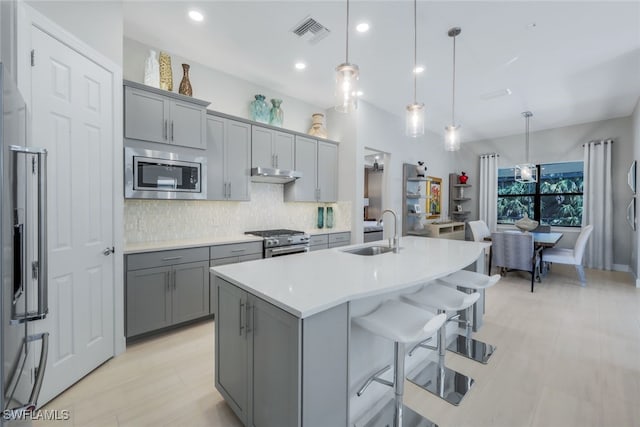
[
  {"x": 327, "y": 172},
  {"x": 271, "y": 148},
  {"x": 228, "y": 159},
  {"x": 318, "y": 162},
  {"x": 159, "y": 116}
]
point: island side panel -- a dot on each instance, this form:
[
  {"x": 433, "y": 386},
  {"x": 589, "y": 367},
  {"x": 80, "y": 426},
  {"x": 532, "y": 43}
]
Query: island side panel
[{"x": 325, "y": 356}]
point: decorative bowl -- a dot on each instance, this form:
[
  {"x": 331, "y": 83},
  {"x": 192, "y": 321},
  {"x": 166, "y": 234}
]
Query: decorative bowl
[{"x": 526, "y": 224}]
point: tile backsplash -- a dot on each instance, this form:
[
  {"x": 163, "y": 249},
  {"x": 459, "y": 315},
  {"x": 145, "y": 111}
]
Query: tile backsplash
[{"x": 162, "y": 220}]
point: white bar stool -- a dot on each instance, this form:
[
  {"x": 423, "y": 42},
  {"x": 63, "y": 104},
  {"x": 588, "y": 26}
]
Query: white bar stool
[
  {"x": 436, "y": 378},
  {"x": 401, "y": 323},
  {"x": 465, "y": 345}
]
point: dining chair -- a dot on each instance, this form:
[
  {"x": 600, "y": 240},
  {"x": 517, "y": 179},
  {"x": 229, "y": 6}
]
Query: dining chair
[
  {"x": 571, "y": 256},
  {"x": 516, "y": 251},
  {"x": 480, "y": 233}
]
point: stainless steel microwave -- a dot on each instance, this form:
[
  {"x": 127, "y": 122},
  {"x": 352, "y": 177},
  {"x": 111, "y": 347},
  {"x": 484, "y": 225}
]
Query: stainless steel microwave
[{"x": 150, "y": 174}]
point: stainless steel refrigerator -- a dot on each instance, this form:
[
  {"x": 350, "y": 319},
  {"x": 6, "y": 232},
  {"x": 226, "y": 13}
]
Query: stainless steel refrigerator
[{"x": 23, "y": 193}]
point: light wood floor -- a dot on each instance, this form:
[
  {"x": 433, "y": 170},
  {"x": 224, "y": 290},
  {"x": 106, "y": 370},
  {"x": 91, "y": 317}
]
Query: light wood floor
[{"x": 567, "y": 356}]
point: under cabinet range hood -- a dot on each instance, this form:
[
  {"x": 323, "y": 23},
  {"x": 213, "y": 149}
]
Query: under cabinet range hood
[{"x": 274, "y": 176}]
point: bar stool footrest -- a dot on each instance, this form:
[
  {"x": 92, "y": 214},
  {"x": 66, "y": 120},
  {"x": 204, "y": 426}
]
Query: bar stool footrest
[
  {"x": 410, "y": 418},
  {"x": 445, "y": 383},
  {"x": 472, "y": 349}
]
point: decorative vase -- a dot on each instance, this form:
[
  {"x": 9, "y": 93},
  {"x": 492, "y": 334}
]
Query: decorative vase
[
  {"x": 276, "y": 117},
  {"x": 320, "y": 217},
  {"x": 329, "y": 217},
  {"x": 185, "y": 85},
  {"x": 463, "y": 178},
  {"x": 259, "y": 109},
  {"x": 152, "y": 70},
  {"x": 166, "y": 74},
  {"x": 317, "y": 125},
  {"x": 526, "y": 224},
  {"x": 421, "y": 169}
]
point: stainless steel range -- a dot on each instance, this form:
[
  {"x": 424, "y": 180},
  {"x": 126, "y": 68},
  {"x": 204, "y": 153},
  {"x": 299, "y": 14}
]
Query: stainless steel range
[{"x": 282, "y": 242}]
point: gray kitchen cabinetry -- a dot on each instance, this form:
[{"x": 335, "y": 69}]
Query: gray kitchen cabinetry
[
  {"x": 271, "y": 148},
  {"x": 261, "y": 357},
  {"x": 329, "y": 240},
  {"x": 318, "y": 162},
  {"x": 339, "y": 239},
  {"x": 228, "y": 159},
  {"x": 158, "y": 116},
  {"x": 166, "y": 288},
  {"x": 318, "y": 242},
  {"x": 231, "y": 254}
]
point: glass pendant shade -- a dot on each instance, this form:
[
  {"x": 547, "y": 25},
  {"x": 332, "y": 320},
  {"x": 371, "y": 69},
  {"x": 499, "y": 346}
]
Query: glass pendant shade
[
  {"x": 346, "y": 87},
  {"x": 415, "y": 120},
  {"x": 452, "y": 138},
  {"x": 526, "y": 172}
]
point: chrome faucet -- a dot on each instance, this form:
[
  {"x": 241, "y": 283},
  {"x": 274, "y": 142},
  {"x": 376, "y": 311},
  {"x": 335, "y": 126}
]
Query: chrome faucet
[{"x": 395, "y": 242}]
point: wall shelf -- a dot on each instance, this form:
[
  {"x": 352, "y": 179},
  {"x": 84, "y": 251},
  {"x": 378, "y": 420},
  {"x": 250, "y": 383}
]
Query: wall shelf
[{"x": 457, "y": 197}]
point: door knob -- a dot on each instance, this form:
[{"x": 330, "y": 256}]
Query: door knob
[{"x": 108, "y": 251}]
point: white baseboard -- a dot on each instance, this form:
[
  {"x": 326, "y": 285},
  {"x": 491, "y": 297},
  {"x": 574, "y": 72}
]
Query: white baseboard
[{"x": 621, "y": 267}]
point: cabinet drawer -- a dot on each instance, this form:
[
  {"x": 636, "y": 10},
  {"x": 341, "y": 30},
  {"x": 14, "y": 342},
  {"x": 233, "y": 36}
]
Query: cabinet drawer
[
  {"x": 319, "y": 239},
  {"x": 161, "y": 258},
  {"x": 340, "y": 238},
  {"x": 235, "y": 250}
]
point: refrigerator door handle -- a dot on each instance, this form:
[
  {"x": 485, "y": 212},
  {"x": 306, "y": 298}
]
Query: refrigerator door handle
[
  {"x": 40, "y": 266},
  {"x": 44, "y": 354}
]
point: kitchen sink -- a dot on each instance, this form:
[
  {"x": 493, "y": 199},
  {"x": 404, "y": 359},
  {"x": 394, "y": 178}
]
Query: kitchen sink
[{"x": 369, "y": 250}]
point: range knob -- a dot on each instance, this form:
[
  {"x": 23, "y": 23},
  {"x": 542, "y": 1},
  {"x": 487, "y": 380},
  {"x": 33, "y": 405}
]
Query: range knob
[
  {"x": 290, "y": 239},
  {"x": 272, "y": 242}
]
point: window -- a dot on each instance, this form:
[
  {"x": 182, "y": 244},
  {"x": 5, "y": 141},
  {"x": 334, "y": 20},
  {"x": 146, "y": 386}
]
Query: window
[{"x": 556, "y": 199}]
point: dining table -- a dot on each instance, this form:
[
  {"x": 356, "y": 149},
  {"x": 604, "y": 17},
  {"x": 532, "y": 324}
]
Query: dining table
[{"x": 546, "y": 240}]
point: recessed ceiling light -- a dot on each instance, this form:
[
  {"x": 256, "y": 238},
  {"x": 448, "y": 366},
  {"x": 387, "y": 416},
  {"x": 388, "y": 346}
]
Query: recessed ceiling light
[
  {"x": 362, "y": 27},
  {"x": 300, "y": 65},
  {"x": 196, "y": 16},
  {"x": 359, "y": 93},
  {"x": 419, "y": 69}
]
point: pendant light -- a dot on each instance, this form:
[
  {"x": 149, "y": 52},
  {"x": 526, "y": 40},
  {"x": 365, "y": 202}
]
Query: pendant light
[
  {"x": 526, "y": 172},
  {"x": 347, "y": 75},
  {"x": 452, "y": 136},
  {"x": 415, "y": 112}
]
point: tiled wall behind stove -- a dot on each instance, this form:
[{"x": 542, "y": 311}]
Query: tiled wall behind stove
[{"x": 160, "y": 220}]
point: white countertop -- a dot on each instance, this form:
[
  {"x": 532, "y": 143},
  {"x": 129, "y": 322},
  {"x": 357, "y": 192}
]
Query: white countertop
[
  {"x": 133, "y": 248},
  {"x": 306, "y": 284}
]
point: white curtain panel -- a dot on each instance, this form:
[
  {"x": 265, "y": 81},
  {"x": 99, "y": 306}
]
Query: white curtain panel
[
  {"x": 488, "y": 198},
  {"x": 597, "y": 208}
]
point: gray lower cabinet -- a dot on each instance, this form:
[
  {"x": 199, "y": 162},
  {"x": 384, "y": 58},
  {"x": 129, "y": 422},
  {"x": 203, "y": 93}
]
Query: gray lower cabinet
[
  {"x": 330, "y": 240},
  {"x": 231, "y": 254},
  {"x": 261, "y": 360},
  {"x": 166, "y": 288}
]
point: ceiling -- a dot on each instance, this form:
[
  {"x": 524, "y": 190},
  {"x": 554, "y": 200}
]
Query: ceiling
[{"x": 567, "y": 62}]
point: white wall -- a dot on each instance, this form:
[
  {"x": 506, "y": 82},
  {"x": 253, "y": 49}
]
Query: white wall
[
  {"x": 635, "y": 253},
  {"x": 227, "y": 94},
  {"x": 558, "y": 145},
  {"x": 97, "y": 23},
  {"x": 371, "y": 127}
]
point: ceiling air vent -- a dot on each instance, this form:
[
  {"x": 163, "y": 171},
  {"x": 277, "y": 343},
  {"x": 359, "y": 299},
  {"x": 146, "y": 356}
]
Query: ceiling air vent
[{"x": 310, "y": 30}]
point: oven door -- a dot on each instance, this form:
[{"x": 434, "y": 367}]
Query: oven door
[{"x": 285, "y": 250}]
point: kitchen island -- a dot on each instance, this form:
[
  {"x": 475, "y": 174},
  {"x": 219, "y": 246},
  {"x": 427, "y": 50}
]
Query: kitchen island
[{"x": 285, "y": 351}]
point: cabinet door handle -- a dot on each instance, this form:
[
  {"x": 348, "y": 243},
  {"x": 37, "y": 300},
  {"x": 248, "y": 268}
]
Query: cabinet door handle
[
  {"x": 171, "y": 258},
  {"x": 240, "y": 310},
  {"x": 172, "y": 130},
  {"x": 229, "y": 190},
  {"x": 174, "y": 280},
  {"x": 250, "y": 325},
  {"x": 277, "y": 161},
  {"x": 168, "y": 281},
  {"x": 166, "y": 127},
  {"x": 273, "y": 160}
]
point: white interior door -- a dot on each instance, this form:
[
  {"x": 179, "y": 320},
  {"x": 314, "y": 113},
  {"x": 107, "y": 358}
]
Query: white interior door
[{"x": 72, "y": 117}]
